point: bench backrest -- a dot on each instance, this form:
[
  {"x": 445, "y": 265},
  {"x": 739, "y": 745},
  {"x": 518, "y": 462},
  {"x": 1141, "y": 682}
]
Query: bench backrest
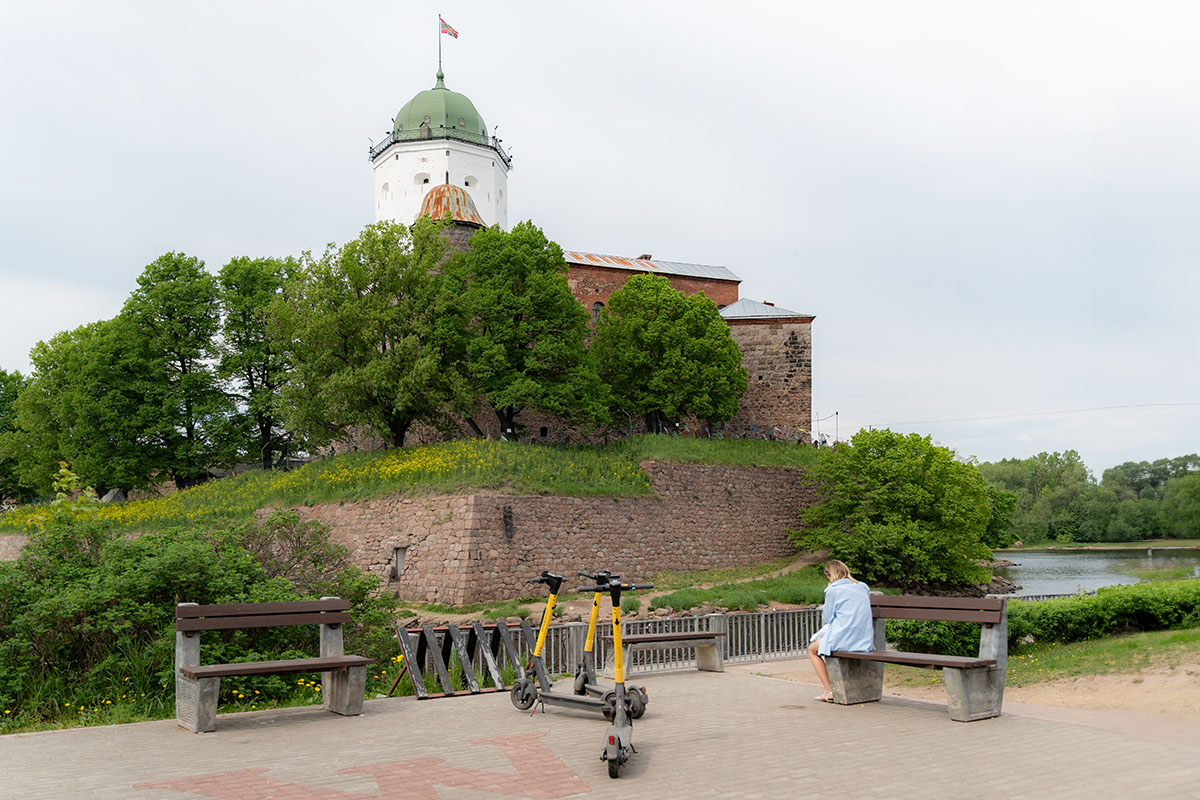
[
  {"x": 260, "y": 615},
  {"x": 983, "y": 610}
]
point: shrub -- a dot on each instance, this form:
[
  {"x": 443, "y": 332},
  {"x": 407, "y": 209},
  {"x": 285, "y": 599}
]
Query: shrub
[{"x": 1113, "y": 610}]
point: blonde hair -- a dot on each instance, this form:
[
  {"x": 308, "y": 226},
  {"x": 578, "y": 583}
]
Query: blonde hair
[{"x": 835, "y": 570}]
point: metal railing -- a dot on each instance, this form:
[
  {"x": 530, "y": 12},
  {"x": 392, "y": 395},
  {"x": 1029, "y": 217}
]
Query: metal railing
[{"x": 423, "y": 133}]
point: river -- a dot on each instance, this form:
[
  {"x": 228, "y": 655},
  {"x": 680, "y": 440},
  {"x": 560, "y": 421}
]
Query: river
[{"x": 1068, "y": 571}]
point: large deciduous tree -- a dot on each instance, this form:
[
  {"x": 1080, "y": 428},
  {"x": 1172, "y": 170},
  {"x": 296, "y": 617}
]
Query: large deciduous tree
[
  {"x": 666, "y": 355},
  {"x": 899, "y": 510},
  {"x": 11, "y": 487},
  {"x": 365, "y": 328},
  {"x": 1180, "y": 511},
  {"x": 175, "y": 308},
  {"x": 253, "y": 363},
  {"x": 94, "y": 399},
  {"x": 524, "y": 332}
]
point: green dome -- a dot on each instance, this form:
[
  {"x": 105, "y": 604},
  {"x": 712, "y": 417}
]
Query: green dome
[{"x": 439, "y": 112}]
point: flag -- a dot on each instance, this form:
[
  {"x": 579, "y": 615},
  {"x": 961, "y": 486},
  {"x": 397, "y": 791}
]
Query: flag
[{"x": 447, "y": 29}]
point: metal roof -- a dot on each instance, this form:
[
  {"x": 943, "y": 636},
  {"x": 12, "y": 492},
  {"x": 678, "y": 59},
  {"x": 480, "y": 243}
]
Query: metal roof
[
  {"x": 751, "y": 309},
  {"x": 647, "y": 265},
  {"x": 445, "y": 199}
]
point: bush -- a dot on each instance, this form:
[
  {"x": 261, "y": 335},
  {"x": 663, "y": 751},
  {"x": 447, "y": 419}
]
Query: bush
[
  {"x": 899, "y": 510},
  {"x": 1113, "y": 610},
  {"x": 87, "y": 616}
]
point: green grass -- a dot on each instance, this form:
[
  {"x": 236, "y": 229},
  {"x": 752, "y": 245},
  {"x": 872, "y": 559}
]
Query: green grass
[
  {"x": 801, "y": 587},
  {"x": 666, "y": 580},
  {"x": 1052, "y": 661},
  {"x": 612, "y": 470}
]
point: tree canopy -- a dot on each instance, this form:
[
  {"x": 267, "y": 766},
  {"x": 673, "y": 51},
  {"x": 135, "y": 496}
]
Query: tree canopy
[
  {"x": 11, "y": 487},
  {"x": 523, "y": 337},
  {"x": 367, "y": 329},
  {"x": 250, "y": 359},
  {"x": 666, "y": 355},
  {"x": 899, "y": 510}
]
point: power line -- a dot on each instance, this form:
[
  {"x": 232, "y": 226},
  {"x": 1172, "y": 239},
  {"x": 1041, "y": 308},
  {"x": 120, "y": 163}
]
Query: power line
[{"x": 1042, "y": 413}]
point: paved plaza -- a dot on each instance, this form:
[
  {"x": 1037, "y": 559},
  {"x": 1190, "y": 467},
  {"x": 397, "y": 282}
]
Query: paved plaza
[{"x": 738, "y": 734}]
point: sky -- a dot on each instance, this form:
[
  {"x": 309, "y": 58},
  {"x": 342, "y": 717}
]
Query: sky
[{"x": 991, "y": 209}]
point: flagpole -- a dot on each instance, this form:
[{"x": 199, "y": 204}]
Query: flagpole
[{"x": 439, "y": 41}]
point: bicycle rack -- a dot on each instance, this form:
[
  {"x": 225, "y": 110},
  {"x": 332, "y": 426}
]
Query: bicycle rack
[{"x": 429, "y": 647}]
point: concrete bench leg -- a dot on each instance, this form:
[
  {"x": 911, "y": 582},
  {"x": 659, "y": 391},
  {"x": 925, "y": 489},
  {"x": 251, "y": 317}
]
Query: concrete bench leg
[
  {"x": 342, "y": 690},
  {"x": 196, "y": 703},
  {"x": 854, "y": 680},
  {"x": 974, "y": 693},
  {"x": 708, "y": 658}
]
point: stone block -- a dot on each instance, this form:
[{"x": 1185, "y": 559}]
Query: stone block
[
  {"x": 854, "y": 680},
  {"x": 974, "y": 694}
]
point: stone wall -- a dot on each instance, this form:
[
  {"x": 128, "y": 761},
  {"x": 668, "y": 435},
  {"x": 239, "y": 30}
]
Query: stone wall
[
  {"x": 592, "y": 284},
  {"x": 10, "y": 545},
  {"x": 777, "y": 355},
  {"x": 485, "y": 546}
]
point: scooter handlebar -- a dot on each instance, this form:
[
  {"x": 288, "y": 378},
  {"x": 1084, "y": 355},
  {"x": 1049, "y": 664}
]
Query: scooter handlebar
[
  {"x": 547, "y": 577},
  {"x": 625, "y": 587}
]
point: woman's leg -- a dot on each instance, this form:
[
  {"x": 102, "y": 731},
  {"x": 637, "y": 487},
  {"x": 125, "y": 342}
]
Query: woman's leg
[{"x": 819, "y": 668}]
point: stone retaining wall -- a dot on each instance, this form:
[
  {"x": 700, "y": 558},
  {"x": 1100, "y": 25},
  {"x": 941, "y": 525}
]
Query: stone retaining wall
[
  {"x": 10, "y": 546},
  {"x": 484, "y": 546}
]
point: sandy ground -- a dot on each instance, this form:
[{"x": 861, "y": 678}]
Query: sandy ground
[{"x": 1158, "y": 689}]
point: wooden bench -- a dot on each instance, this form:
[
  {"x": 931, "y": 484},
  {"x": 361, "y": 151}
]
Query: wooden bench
[
  {"x": 343, "y": 677},
  {"x": 974, "y": 686},
  {"x": 708, "y": 649}
]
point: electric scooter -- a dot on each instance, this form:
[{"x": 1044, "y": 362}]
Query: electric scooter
[
  {"x": 537, "y": 687},
  {"x": 618, "y": 739},
  {"x": 585, "y": 670}
]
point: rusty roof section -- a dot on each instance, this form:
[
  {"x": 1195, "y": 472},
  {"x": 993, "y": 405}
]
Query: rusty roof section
[
  {"x": 453, "y": 200},
  {"x": 648, "y": 265}
]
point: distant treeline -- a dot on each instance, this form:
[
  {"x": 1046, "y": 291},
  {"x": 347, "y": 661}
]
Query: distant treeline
[{"x": 1058, "y": 498}]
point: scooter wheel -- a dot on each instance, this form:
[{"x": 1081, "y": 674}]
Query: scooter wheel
[
  {"x": 614, "y": 768},
  {"x": 610, "y": 706},
  {"x": 637, "y": 705},
  {"x": 521, "y": 697}
]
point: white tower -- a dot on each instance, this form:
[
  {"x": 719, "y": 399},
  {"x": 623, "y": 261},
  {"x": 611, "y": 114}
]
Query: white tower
[{"x": 439, "y": 138}]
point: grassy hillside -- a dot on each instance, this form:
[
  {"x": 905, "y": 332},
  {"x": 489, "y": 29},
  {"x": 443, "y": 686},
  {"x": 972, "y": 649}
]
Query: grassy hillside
[{"x": 450, "y": 467}]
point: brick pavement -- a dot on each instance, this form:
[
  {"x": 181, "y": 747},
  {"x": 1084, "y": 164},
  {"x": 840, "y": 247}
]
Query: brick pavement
[{"x": 705, "y": 735}]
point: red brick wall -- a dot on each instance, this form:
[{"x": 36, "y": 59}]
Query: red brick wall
[{"x": 596, "y": 284}]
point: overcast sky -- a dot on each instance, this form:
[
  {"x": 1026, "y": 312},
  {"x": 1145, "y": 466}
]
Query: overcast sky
[{"x": 993, "y": 210}]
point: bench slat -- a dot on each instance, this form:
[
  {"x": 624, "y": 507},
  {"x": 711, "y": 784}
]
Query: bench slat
[
  {"x": 276, "y": 667},
  {"x": 253, "y": 609},
  {"x": 260, "y": 621},
  {"x": 946, "y": 615},
  {"x": 926, "y": 660},
  {"x": 642, "y": 638},
  {"x": 921, "y": 601}
]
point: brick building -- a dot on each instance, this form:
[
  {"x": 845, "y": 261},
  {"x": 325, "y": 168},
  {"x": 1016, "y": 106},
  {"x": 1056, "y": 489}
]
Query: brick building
[{"x": 439, "y": 159}]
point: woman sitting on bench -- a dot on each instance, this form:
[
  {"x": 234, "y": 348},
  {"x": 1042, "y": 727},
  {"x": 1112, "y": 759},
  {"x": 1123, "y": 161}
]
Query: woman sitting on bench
[{"x": 845, "y": 622}]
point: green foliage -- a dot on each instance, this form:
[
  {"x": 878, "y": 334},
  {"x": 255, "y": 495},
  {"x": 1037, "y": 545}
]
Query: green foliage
[
  {"x": 1114, "y": 609},
  {"x": 12, "y": 487},
  {"x": 999, "y": 532},
  {"x": 94, "y": 400},
  {"x": 87, "y": 616},
  {"x": 1059, "y": 500},
  {"x": 1181, "y": 506},
  {"x": 249, "y": 358},
  {"x": 801, "y": 587},
  {"x": 175, "y": 312},
  {"x": 666, "y": 355},
  {"x": 523, "y": 332},
  {"x": 369, "y": 330},
  {"x": 898, "y": 510}
]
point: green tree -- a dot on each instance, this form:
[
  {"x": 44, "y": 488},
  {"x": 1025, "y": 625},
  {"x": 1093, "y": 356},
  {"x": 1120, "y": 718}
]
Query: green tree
[
  {"x": 1180, "y": 511},
  {"x": 899, "y": 510},
  {"x": 93, "y": 399},
  {"x": 11, "y": 487},
  {"x": 524, "y": 332},
  {"x": 175, "y": 309},
  {"x": 1001, "y": 504},
  {"x": 250, "y": 359},
  {"x": 666, "y": 355},
  {"x": 367, "y": 329}
]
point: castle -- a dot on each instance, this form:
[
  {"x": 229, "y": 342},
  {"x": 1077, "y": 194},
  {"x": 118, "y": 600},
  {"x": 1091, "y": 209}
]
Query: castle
[{"x": 439, "y": 159}]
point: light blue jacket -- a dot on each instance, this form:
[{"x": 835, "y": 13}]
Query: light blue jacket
[{"x": 847, "y": 612}]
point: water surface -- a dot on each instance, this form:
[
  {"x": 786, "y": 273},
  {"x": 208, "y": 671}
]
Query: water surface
[{"x": 1068, "y": 571}]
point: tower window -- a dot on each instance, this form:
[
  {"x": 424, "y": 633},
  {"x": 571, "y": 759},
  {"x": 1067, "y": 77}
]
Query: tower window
[
  {"x": 544, "y": 432},
  {"x": 426, "y": 118},
  {"x": 597, "y": 307},
  {"x": 398, "y": 554},
  {"x": 462, "y": 121}
]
